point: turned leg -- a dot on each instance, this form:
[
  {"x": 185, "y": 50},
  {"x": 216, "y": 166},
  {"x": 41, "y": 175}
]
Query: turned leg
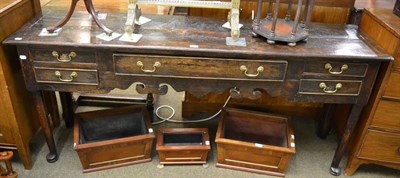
[
  {"x": 9, "y": 172},
  {"x": 9, "y": 168},
  {"x": 348, "y": 130},
  {"x": 92, "y": 12},
  {"x": 324, "y": 124},
  {"x": 45, "y": 123},
  {"x": 66, "y": 18},
  {"x": 68, "y": 108},
  {"x": 2, "y": 169},
  {"x": 256, "y": 22}
]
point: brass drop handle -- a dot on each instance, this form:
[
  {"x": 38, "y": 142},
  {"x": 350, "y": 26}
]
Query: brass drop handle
[
  {"x": 323, "y": 86},
  {"x": 64, "y": 57},
  {"x": 244, "y": 69},
  {"x": 155, "y": 65},
  {"x": 342, "y": 69},
  {"x": 72, "y": 76}
]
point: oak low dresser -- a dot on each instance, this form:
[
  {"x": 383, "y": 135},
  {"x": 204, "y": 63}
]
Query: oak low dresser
[{"x": 335, "y": 66}]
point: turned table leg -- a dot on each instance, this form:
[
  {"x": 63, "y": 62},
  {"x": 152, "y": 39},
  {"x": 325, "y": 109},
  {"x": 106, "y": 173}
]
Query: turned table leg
[
  {"x": 350, "y": 125},
  {"x": 92, "y": 12},
  {"x": 66, "y": 18},
  {"x": 46, "y": 127},
  {"x": 89, "y": 8}
]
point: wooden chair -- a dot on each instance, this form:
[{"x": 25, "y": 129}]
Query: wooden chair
[{"x": 7, "y": 172}]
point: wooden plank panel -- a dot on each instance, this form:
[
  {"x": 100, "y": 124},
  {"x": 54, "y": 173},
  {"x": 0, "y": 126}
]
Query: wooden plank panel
[{"x": 383, "y": 37}]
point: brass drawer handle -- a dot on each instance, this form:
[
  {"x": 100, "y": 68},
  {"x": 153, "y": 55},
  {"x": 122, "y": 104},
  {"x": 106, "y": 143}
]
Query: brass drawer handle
[
  {"x": 323, "y": 86},
  {"x": 72, "y": 76},
  {"x": 342, "y": 69},
  {"x": 64, "y": 57},
  {"x": 243, "y": 68},
  {"x": 155, "y": 65}
]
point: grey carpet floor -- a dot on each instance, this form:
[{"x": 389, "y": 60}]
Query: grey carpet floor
[{"x": 312, "y": 159}]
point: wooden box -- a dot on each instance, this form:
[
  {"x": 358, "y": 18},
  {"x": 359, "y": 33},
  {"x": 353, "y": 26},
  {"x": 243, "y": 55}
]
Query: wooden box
[
  {"x": 254, "y": 142},
  {"x": 183, "y": 145},
  {"x": 114, "y": 137}
]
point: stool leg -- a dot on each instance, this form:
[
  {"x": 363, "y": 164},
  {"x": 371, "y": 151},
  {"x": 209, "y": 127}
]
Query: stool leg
[
  {"x": 2, "y": 170},
  {"x": 256, "y": 22},
  {"x": 269, "y": 14},
  {"x": 9, "y": 168},
  {"x": 296, "y": 18},
  {"x": 6, "y": 157}
]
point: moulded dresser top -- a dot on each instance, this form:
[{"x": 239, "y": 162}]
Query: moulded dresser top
[{"x": 180, "y": 33}]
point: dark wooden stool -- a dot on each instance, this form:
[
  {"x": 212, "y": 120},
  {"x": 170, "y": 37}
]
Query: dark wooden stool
[{"x": 7, "y": 172}]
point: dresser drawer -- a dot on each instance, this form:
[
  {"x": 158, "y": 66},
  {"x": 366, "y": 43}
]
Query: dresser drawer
[
  {"x": 387, "y": 115},
  {"x": 330, "y": 87},
  {"x": 206, "y": 68},
  {"x": 335, "y": 68},
  {"x": 63, "y": 56},
  {"x": 393, "y": 86},
  {"x": 381, "y": 146},
  {"x": 66, "y": 76}
]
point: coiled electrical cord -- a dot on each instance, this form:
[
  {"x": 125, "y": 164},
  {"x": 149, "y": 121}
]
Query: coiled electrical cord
[{"x": 168, "y": 119}]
